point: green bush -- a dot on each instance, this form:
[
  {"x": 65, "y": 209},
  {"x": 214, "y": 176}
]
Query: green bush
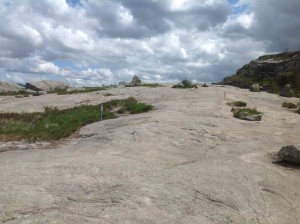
[{"x": 289, "y": 105}]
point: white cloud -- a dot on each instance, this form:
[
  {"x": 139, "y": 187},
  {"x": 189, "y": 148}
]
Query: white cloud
[{"x": 104, "y": 42}]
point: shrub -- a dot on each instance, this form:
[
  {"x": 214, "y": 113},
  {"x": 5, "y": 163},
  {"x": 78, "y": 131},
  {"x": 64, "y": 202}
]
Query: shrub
[
  {"x": 289, "y": 105},
  {"x": 239, "y": 103}
]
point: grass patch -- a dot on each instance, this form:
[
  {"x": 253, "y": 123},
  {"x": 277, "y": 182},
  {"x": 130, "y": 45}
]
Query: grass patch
[
  {"x": 152, "y": 85},
  {"x": 289, "y": 105},
  {"x": 77, "y": 91},
  {"x": 239, "y": 103},
  {"x": 53, "y": 124},
  {"x": 18, "y": 93},
  {"x": 247, "y": 111}
]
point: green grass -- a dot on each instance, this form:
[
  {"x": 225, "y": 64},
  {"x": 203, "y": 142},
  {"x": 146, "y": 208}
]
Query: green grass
[
  {"x": 289, "y": 105},
  {"x": 239, "y": 103},
  {"x": 152, "y": 85},
  {"x": 18, "y": 93},
  {"x": 77, "y": 91},
  {"x": 53, "y": 124}
]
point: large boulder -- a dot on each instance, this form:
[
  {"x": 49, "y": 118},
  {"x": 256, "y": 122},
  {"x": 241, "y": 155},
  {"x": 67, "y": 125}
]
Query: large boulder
[
  {"x": 286, "y": 91},
  {"x": 46, "y": 85},
  {"x": 290, "y": 154},
  {"x": 136, "y": 80},
  {"x": 6, "y": 87},
  {"x": 255, "y": 88}
]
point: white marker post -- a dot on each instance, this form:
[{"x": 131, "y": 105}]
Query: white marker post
[{"x": 101, "y": 111}]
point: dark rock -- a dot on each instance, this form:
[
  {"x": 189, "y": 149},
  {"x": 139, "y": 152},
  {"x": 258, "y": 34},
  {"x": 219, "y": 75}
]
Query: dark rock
[
  {"x": 290, "y": 154},
  {"x": 136, "y": 80},
  {"x": 286, "y": 91}
]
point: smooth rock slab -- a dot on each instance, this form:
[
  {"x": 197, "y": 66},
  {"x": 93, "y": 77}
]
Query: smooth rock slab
[
  {"x": 46, "y": 85},
  {"x": 9, "y": 87},
  {"x": 290, "y": 154}
]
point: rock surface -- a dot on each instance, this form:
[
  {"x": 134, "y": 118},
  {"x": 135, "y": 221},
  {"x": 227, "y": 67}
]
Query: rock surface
[
  {"x": 290, "y": 154},
  {"x": 9, "y": 87},
  {"x": 188, "y": 161},
  {"x": 286, "y": 91},
  {"x": 46, "y": 85}
]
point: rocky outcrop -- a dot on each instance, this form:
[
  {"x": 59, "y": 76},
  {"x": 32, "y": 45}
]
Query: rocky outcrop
[
  {"x": 290, "y": 153},
  {"x": 272, "y": 71},
  {"x": 46, "y": 85},
  {"x": 6, "y": 87}
]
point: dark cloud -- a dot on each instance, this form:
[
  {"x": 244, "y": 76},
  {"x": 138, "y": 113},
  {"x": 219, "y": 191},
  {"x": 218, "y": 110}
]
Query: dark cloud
[{"x": 277, "y": 23}]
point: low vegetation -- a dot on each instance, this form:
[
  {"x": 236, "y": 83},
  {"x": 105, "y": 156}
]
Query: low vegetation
[
  {"x": 53, "y": 124},
  {"x": 289, "y": 105},
  {"x": 237, "y": 104},
  {"x": 246, "y": 111},
  {"x": 152, "y": 85},
  {"x": 18, "y": 93},
  {"x": 77, "y": 91}
]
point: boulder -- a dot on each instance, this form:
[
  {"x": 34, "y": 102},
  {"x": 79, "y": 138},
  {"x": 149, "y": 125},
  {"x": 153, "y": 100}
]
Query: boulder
[
  {"x": 255, "y": 88},
  {"x": 290, "y": 154},
  {"x": 286, "y": 91},
  {"x": 136, "y": 80},
  {"x": 46, "y": 85},
  {"x": 245, "y": 116},
  {"x": 6, "y": 87}
]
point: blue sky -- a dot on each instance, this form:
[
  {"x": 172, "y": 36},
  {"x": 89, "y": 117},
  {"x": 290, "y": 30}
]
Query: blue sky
[{"x": 102, "y": 42}]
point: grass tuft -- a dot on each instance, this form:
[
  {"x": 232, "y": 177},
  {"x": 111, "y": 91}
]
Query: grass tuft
[{"x": 289, "y": 105}]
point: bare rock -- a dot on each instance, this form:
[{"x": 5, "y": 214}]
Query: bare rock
[
  {"x": 9, "y": 87},
  {"x": 46, "y": 85},
  {"x": 290, "y": 154}
]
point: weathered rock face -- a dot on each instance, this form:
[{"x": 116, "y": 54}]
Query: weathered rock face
[
  {"x": 136, "y": 80},
  {"x": 275, "y": 71},
  {"x": 290, "y": 153},
  {"x": 9, "y": 87},
  {"x": 46, "y": 85},
  {"x": 286, "y": 91}
]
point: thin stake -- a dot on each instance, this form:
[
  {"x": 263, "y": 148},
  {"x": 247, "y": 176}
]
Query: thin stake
[{"x": 101, "y": 111}]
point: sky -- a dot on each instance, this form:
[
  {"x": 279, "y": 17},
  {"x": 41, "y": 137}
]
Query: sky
[{"x": 102, "y": 42}]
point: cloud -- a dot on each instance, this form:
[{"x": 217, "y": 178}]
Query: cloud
[{"x": 90, "y": 42}]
